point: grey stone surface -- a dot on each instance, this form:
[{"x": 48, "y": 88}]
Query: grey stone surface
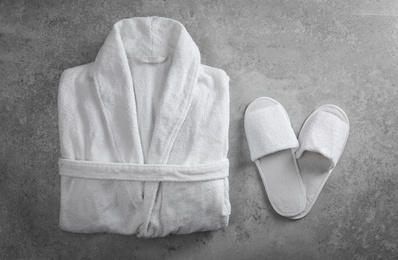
[{"x": 302, "y": 53}]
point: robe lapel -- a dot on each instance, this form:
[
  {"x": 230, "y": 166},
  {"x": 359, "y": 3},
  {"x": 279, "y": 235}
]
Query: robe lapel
[
  {"x": 176, "y": 99},
  {"x": 115, "y": 89}
]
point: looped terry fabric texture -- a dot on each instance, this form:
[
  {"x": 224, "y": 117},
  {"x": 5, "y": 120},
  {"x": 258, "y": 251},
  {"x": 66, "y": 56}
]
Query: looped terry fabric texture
[{"x": 144, "y": 135}]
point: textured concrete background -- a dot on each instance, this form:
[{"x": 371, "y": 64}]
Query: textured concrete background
[{"x": 302, "y": 53}]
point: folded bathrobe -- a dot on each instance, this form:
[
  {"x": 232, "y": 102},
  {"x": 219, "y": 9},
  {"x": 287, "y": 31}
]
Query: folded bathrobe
[{"x": 144, "y": 135}]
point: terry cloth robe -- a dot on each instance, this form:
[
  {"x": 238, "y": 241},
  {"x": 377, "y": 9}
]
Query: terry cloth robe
[{"x": 144, "y": 136}]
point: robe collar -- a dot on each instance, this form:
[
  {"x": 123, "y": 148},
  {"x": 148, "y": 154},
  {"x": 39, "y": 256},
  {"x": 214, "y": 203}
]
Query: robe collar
[{"x": 149, "y": 39}]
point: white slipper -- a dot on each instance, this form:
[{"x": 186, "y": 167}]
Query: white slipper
[
  {"x": 322, "y": 138},
  {"x": 272, "y": 143}
]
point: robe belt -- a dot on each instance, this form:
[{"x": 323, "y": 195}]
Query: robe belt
[{"x": 143, "y": 172}]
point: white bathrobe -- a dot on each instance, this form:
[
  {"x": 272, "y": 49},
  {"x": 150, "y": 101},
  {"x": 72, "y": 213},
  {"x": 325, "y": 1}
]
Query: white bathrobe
[{"x": 144, "y": 136}]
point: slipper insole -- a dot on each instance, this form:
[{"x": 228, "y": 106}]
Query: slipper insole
[
  {"x": 314, "y": 169},
  {"x": 282, "y": 182}
]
